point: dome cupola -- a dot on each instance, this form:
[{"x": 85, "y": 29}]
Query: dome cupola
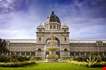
[{"x": 54, "y": 18}]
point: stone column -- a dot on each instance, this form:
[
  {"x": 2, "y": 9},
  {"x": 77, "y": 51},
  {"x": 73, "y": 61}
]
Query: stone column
[
  {"x": 30, "y": 53},
  {"x": 85, "y": 53},
  {"x": 20, "y": 53},
  {"x": 74, "y": 54},
  {"x": 25, "y": 53},
  {"x": 60, "y": 52},
  {"x": 80, "y": 54},
  {"x": 35, "y": 53},
  {"x": 68, "y": 53}
]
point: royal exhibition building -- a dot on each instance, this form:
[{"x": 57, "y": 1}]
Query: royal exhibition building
[{"x": 53, "y": 33}]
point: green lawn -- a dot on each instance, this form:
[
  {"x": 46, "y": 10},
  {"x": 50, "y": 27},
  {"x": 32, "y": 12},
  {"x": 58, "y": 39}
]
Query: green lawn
[{"x": 50, "y": 66}]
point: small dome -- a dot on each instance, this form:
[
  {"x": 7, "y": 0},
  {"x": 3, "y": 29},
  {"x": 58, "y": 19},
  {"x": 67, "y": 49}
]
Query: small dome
[{"x": 54, "y": 18}]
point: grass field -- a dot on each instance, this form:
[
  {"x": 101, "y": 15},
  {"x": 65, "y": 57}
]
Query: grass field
[{"x": 51, "y": 66}]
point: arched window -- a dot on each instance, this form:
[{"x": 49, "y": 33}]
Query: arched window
[
  {"x": 47, "y": 52},
  {"x": 65, "y": 39},
  {"x": 40, "y": 30},
  {"x": 99, "y": 43},
  {"x": 65, "y": 50},
  {"x": 65, "y": 30},
  {"x": 39, "y": 38},
  {"x": 50, "y": 26},
  {"x": 23, "y": 53},
  {"x": 54, "y": 26},
  {"x": 27, "y": 53},
  {"x": 39, "y": 50}
]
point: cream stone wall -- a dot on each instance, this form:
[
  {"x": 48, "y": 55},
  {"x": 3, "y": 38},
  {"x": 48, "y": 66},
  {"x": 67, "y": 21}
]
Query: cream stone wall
[{"x": 67, "y": 48}]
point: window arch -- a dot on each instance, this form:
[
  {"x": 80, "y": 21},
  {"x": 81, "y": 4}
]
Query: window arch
[
  {"x": 65, "y": 30},
  {"x": 54, "y": 26},
  {"x": 39, "y": 38},
  {"x": 39, "y": 50},
  {"x": 48, "y": 40},
  {"x": 50, "y": 26},
  {"x": 65, "y": 39},
  {"x": 65, "y": 49},
  {"x": 99, "y": 43}
]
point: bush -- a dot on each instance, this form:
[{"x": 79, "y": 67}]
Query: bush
[
  {"x": 96, "y": 65},
  {"x": 80, "y": 58},
  {"x": 65, "y": 58},
  {"x": 12, "y": 59},
  {"x": 4, "y": 59},
  {"x": 16, "y": 64},
  {"x": 103, "y": 58},
  {"x": 20, "y": 58}
]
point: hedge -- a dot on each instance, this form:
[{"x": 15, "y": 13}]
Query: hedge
[{"x": 16, "y": 64}]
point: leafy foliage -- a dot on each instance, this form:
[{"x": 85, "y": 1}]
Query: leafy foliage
[
  {"x": 3, "y": 47},
  {"x": 17, "y": 64},
  {"x": 93, "y": 60}
]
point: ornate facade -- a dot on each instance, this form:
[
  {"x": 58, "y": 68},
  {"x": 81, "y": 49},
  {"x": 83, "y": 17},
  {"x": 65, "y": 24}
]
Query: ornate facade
[{"x": 54, "y": 27}]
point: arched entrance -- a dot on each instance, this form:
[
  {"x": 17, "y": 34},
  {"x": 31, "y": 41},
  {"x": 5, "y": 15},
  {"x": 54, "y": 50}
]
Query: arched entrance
[{"x": 56, "y": 43}]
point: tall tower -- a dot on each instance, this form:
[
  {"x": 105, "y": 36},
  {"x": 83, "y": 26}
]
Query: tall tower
[{"x": 60, "y": 33}]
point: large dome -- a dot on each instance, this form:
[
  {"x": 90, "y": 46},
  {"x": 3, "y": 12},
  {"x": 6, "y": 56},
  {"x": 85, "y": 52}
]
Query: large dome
[{"x": 54, "y": 18}]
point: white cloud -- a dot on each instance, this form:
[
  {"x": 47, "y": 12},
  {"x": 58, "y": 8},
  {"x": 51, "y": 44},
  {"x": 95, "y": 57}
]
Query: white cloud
[
  {"x": 19, "y": 25},
  {"x": 85, "y": 28},
  {"x": 80, "y": 19}
]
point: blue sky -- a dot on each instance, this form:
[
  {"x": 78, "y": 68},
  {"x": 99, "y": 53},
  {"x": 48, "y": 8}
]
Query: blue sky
[{"x": 86, "y": 18}]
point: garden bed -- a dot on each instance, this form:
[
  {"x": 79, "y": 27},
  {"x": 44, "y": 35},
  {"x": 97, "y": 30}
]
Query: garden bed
[
  {"x": 51, "y": 66},
  {"x": 16, "y": 64}
]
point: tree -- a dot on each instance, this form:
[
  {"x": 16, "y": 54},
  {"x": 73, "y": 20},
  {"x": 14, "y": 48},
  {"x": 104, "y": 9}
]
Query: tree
[
  {"x": 4, "y": 50},
  {"x": 3, "y": 46}
]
